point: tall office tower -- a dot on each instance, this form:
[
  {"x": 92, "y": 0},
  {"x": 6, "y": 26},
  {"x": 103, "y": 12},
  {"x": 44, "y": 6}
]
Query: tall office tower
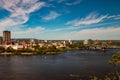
[
  {"x": 0, "y": 40},
  {"x": 6, "y": 37}
]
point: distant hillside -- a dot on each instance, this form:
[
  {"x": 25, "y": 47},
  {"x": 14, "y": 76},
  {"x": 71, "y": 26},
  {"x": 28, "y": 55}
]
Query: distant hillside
[{"x": 25, "y": 39}]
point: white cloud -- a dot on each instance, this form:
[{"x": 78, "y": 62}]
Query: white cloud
[
  {"x": 58, "y": 1},
  {"x": 115, "y": 17},
  {"x": 29, "y": 32},
  {"x": 73, "y": 3},
  {"x": 51, "y": 15},
  {"x": 96, "y": 33},
  {"x": 19, "y": 11},
  {"x": 92, "y": 18}
]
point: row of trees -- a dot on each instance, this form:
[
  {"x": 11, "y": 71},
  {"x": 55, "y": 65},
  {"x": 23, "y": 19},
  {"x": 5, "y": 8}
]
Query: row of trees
[
  {"x": 11, "y": 50},
  {"x": 77, "y": 45},
  {"x": 36, "y": 50},
  {"x": 48, "y": 50},
  {"x": 43, "y": 50}
]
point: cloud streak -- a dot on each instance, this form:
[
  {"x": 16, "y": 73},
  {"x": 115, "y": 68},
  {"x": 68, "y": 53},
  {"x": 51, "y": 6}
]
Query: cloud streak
[
  {"x": 73, "y": 3},
  {"x": 114, "y": 17},
  {"x": 19, "y": 11},
  {"x": 96, "y": 33},
  {"x": 31, "y": 32},
  {"x": 92, "y": 18},
  {"x": 51, "y": 15},
  {"x": 58, "y": 1}
]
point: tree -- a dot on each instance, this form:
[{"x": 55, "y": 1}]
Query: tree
[
  {"x": 51, "y": 49},
  {"x": 36, "y": 47},
  {"x": 10, "y": 49},
  {"x": 2, "y": 49},
  {"x": 116, "y": 61},
  {"x": 94, "y": 78},
  {"x": 27, "y": 50}
]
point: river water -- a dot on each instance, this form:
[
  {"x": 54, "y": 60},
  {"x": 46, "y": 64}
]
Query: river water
[{"x": 69, "y": 65}]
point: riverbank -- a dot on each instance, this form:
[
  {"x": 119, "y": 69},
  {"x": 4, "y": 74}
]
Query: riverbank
[
  {"x": 27, "y": 54},
  {"x": 50, "y": 53}
]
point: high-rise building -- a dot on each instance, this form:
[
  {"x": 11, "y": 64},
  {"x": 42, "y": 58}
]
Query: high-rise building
[
  {"x": 0, "y": 40},
  {"x": 6, "y": 37}
]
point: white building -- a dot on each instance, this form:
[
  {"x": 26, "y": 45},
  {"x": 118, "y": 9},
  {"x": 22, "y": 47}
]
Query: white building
[
  {"x": 17, "y": 47},
  {"x": 86, "y": 42},
  {"x": 70, "y": 41}
]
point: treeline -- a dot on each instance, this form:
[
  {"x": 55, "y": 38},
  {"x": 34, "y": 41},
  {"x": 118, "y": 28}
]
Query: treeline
[
  {"x": 115, "y": 43},
  {"x": 42, "y": 50},
  {"x": 34, "y": 50}
]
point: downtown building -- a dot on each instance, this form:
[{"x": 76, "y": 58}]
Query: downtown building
[
  {"x": 1, "y": 40},
  {"x": 7, "y": 42},
  {"x": 6, "y": 37}
]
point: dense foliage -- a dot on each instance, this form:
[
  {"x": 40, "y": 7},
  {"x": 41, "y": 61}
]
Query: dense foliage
[
  {"x": 115, "y": 59},
  {"x": 2, "y": 49}
]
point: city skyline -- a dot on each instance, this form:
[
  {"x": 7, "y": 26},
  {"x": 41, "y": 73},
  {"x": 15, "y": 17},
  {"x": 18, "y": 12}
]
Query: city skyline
[{"x": 61, "y": 19}]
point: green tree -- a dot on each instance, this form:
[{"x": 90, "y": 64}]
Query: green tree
[
  {"x": 2, "y": 49},
  {"x": 51, "y": 49},
  {"x": 107, "y": 78},
  {"x": 94, "y": 78},
  {"x": 36, "y": 47},
  {"x": 27, "y": 50},
  {"x": 39, "y": 51},
  {"x": 116, "y": 61},
  {"x": 10, "y": 49}
]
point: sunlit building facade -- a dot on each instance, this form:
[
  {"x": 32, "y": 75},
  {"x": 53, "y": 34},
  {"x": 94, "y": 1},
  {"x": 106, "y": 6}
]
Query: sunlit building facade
[
  {"x": 6, "y": 37},
  {"x": 0, "y": 40}
]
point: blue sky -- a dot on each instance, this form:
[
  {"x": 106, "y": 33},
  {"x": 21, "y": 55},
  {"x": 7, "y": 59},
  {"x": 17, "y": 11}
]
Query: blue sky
[{"x": 61, "y": 19}]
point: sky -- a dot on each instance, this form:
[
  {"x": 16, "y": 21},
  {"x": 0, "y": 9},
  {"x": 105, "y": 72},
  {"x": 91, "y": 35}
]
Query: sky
[{"x": 61, "y": 19}]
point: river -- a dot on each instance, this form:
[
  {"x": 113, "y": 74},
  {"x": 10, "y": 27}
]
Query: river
[{"x": 69, "y": 65}]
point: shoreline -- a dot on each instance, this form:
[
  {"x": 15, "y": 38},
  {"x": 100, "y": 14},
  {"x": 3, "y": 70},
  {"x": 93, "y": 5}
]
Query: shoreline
[
  {"x": 49, "y": 53},
  {"x": 28, "y": 54},
  {"x": 46, "y": 53}
]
